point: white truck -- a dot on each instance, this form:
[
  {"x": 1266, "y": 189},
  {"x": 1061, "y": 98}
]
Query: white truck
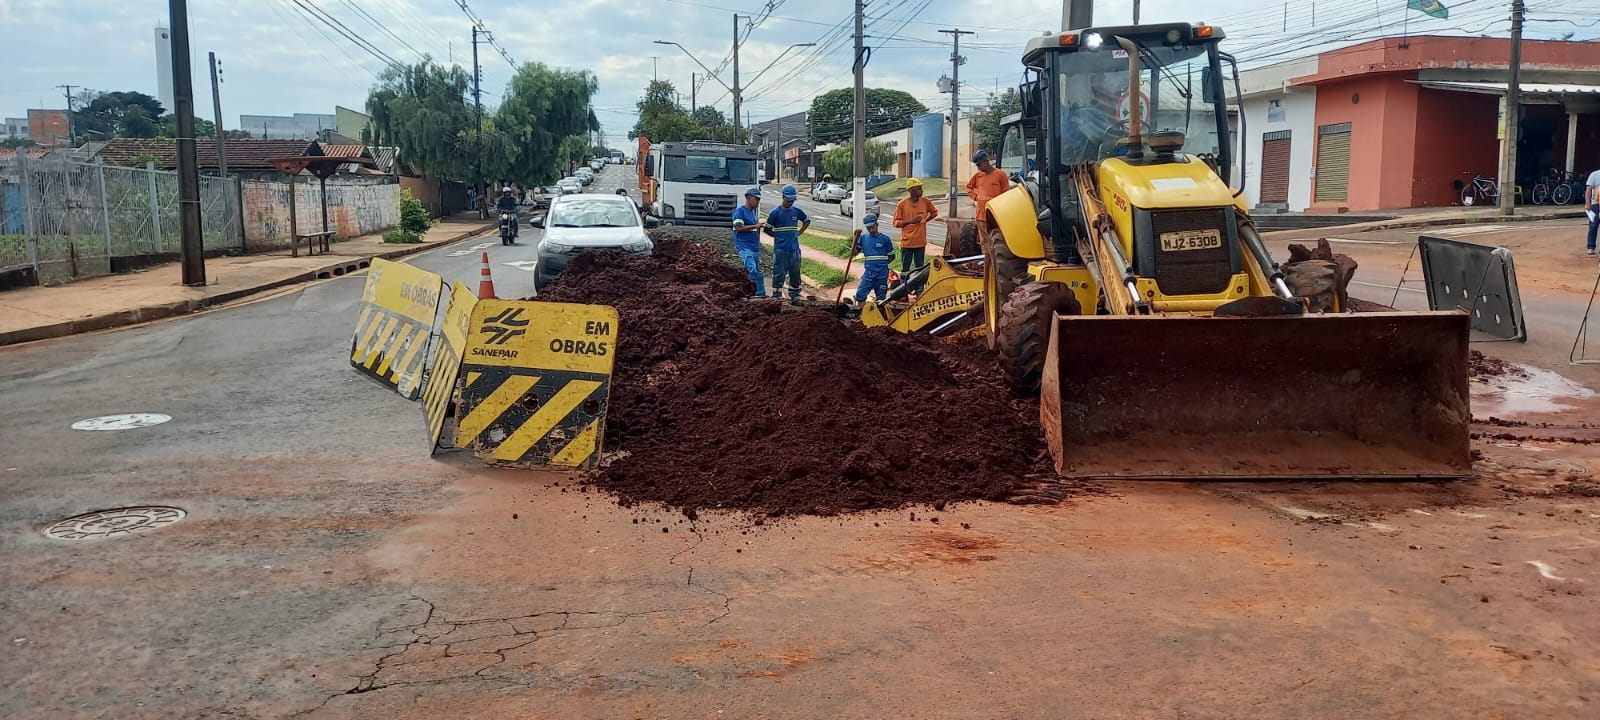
[{"x": 698, "y": 183}]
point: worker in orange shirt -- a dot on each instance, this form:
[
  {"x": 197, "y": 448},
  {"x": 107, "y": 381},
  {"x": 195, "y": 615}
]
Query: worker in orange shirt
[
  {"x": 986, "y": 184},
  {"x": 912, "y": 215}
]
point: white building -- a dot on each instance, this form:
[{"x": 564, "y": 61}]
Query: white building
[
  {"x": 300, "y": 126},
  {"x": 16, "y": 129},
  {"x": 1279, "y": 127},
  {"x": 163, "y": 38}
]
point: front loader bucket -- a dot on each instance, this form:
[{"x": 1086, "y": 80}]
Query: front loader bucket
[{"x": 1370, "y": 395}]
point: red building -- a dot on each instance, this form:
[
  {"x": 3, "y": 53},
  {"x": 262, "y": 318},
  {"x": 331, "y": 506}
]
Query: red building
[
  {"x": 48, "y": 127},
  {"x": 1404, "y": 122}
]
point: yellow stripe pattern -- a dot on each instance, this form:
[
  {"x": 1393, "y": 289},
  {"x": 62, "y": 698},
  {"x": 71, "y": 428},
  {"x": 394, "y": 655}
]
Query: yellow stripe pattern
[
  {"x": 391, "y": 348},
  {"x": 534, "y": 420}
]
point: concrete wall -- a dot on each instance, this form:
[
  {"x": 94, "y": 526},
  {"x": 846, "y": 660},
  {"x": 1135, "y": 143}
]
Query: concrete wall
[
  {"x": 1455, "y": 138},
  {"x": 356, "y": 206},
  {"x": 1382, "y": 112},
  {"x": 1295, "y": 111}
]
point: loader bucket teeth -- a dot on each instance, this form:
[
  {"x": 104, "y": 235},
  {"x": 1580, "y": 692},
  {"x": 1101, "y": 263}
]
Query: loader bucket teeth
[{"x": 1373, "y": 395}]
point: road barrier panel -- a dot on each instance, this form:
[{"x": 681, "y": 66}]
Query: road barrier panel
[
  {"x": 1476, "y": 278},
  {"x": 537, "y": 380},
  {"x": 398, "y": 305},
  {"x": 441, "y": 388}
]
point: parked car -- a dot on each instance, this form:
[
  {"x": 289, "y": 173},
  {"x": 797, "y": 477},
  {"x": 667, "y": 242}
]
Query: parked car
[
  {"x": 847, "y": 205},
  {"x": 585, "y": 222},
  {"x": 829, "y": 192},
  {"x": 539, "y": 197},
  {"x": 570, "y": 186},
  {"x": 597, "y": 165},
  {"x": 584, "y": 175}
]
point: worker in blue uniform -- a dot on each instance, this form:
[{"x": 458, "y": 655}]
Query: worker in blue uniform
[
  {"x": 877, "y": 251},
  {"x": 784, "y": 224},
  {"x": 747, "y": 238}
]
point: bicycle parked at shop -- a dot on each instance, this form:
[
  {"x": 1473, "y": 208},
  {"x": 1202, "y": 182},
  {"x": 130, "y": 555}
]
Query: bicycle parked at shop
[
  {"x": 1481, "y": 191},
  {"x": 1558, "y": 187}
]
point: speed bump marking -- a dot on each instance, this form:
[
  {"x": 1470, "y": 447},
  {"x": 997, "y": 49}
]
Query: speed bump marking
[
  {"x": 398, "y": 305},
  {"x": 538, "y": 379}
]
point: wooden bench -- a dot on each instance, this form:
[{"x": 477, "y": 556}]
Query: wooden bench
[{"x": 312, "y": 241}]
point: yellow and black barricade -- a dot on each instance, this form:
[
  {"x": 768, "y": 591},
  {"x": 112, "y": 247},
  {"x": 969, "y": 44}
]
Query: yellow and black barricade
[
  {"x": 398, "y": 305},
  {"x": 538, "y": 377},
  {"x": 440, "y": 388}
]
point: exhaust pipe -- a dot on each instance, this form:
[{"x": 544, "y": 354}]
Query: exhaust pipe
[{"x": 1135, "y": 112}]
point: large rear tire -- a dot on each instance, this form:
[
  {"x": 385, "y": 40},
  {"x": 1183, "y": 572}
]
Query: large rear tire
[
  {"x": 1003, "y": 272},
  {"x": 1026, "y": 320}
]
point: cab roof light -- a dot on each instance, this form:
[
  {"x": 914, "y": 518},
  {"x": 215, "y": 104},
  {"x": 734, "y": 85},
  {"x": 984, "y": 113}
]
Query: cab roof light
[
  {"x": 1202, "y": 31},
  {"x": 1068, "y": 39}
]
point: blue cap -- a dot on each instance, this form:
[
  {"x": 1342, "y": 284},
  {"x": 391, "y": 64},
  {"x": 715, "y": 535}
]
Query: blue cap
[
  {"x": 869, "y": 220},
  {"x": 980, "y": 156},
  {"x": 789, "y": 193},
  {"x": 752, "y": 192}
]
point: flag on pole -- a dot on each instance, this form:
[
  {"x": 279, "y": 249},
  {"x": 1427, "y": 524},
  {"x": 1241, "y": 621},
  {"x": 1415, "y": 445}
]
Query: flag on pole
[{"x": 1430, "y": 7}]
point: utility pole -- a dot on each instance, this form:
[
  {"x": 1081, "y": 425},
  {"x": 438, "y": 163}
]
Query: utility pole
[
  {"x": 738, "y": 133},
  {"x": 1077, "y": 14},
  {"x": 655, "y": 68},
  {"x": 1508, "y": 164},
  {"x": 477, "y": 105},
  {"x": 72, "y": 136},
  {"x": 216, "y": 110},
  {"x": 1136, "y": 12},
  {"x": 192, "y": 251},
  {"x": 693, "y": 88},
  {"x": 858, "y": 141},
  {"x": 955, "y": 107}
]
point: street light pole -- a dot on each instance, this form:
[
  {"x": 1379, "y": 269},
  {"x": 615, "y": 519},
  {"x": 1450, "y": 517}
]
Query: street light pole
[
  {"x": 955, "y": 107},
  {"x": 738, "y": 134},
  {"x": 192, "y": 249},
  {"x": 1508, "y": 169}
]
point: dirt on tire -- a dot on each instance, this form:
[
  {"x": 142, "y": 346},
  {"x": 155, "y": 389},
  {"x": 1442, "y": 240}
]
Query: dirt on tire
[{"x": 719, "y": 401}]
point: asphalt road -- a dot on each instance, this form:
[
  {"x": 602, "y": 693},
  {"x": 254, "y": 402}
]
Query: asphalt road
[{"x": 328, "y": 567}]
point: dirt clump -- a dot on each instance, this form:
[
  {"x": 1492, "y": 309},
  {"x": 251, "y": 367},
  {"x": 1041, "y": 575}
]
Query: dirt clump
[
  {"x": 718, "y": 401},
  {"x": 1484, "y": 366}
]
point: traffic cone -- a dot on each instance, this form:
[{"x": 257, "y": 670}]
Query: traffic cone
[{"x": 485, "y": 282}]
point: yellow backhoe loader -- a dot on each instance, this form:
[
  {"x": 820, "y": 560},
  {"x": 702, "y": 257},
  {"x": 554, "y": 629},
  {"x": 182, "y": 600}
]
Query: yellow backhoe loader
[{"x": 1125, "y": 283}]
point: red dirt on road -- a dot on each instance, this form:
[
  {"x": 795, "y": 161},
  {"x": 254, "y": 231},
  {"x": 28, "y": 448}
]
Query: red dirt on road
[{"x": 722, "y": 402}]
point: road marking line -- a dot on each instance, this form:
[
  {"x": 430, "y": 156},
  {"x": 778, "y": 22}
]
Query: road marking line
[
  {"x": 1367, "y": 242},
  {"x": 1546, "y": 571},
  {"x": 1386, "y": 287}
]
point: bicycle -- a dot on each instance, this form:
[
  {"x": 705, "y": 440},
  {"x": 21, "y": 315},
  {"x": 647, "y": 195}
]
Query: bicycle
[
  {"x": 1569, "y": 191},
  {"x": 1544, "y": 190},
  {"x": 1481, "y": 191}
]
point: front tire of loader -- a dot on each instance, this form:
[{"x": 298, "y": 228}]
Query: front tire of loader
[
  {"x": 1003, "y": 272},
  {"x": 1026, "y": 320}
]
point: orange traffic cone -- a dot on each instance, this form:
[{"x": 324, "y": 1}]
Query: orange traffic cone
[{"x": 485, "y": 282}]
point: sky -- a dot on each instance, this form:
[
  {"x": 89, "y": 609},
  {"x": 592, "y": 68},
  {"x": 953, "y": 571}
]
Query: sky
[{"x": 277, "y": 59}]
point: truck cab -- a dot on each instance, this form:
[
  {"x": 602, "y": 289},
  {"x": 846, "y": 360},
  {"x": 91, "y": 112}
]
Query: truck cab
[{"x": 698, "y": 183}]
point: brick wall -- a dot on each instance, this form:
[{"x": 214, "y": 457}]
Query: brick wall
[{"x": 356, "y": 206}]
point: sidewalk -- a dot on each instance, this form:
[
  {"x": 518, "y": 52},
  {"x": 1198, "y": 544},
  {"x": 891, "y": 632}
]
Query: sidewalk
[{"x": 109, "y": 301}]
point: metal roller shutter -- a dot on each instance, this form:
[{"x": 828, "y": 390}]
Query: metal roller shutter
[
  {"x": 1275, "y": 168},
  {"x": 1333, "y": 163}
]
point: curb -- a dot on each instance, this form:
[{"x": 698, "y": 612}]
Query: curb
[
  {"x": 163, "y": 311},
  {"x": 1403, "y": 224}
]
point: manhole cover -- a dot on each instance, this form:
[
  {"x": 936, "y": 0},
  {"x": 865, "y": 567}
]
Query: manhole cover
[
  {"x": 120, "y": 522},
  {"x": 126, "y": 421}
]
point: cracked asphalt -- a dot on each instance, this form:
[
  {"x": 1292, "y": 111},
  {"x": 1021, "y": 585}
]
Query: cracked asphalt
[{"x": 330, "y": 568}]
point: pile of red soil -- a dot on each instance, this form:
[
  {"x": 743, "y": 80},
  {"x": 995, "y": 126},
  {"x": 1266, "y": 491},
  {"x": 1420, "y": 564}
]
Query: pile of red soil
[
  {"x": 1484, "y": 366},
  {"x": 721, "y": 402}
]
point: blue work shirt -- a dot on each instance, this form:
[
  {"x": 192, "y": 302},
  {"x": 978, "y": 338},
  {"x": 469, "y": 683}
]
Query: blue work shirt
[
  {"x": 876, "y": 250},
  {"x": 785, "y": 226},
  {"x": 744, "y": 217}
]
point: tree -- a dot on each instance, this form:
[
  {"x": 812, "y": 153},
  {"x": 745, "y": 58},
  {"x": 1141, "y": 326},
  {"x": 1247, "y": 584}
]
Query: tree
[
  {"x": 203, "y": 128},
  {"x": 544, "y": 108},
  {"x": 986, "y": 124},
  {"x": 661, "y": 118},
  {"x": 832, "y": 114},
  {"x": 840, "y": 161},
  {"x": 423, "y": 109},
  {"x": 112, "y": 114}
]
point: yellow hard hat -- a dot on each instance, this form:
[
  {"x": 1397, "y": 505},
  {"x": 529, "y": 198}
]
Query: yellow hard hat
[{"x": 913, "y": 182}]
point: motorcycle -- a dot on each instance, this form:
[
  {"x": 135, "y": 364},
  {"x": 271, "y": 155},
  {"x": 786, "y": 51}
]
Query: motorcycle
[{"x": 508, "y": 229}]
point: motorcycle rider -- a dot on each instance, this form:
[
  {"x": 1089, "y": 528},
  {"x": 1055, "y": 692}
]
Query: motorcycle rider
[{"x": 507, "y": 203}]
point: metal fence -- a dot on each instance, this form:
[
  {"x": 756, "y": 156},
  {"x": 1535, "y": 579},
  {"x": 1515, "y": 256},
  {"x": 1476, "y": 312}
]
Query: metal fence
[{"x": 62, "y": 219}]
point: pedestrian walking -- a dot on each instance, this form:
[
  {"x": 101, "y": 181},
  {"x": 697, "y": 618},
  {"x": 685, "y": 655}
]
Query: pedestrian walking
[
  {"x": 1591, "y": 200},
  {"x": 986, "y": 184},
  {"x": 747, "y": 238},
  {"x": 784, "y": 224},
  {"x": 912, "y": 215},
  {"x": 877, "y": 250}
]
